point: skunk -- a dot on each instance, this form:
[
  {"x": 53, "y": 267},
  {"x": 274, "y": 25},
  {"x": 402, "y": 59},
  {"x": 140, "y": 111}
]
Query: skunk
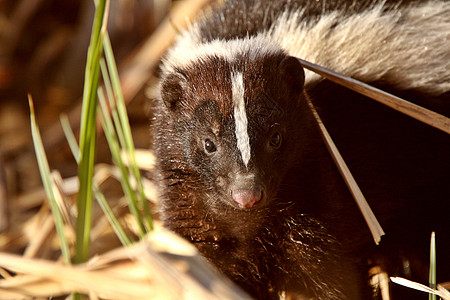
[{"x": 242, "y": 169}]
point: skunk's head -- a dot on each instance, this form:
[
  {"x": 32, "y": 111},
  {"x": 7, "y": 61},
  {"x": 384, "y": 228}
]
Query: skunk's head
[{"x": 233, "y": 116}]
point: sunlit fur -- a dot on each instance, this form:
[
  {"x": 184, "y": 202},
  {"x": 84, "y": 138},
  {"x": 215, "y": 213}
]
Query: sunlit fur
[{"x": 358, "y": 45}]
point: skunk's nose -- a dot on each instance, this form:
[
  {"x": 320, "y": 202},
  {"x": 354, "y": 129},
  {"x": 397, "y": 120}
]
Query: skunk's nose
[{"x": 246, "y": 198}]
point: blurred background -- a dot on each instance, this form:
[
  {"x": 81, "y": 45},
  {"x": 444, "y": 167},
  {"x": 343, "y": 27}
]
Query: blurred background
[{"x": 43, "y": 46}]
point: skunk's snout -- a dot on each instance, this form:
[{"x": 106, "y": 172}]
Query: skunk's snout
[
  {"x": 246, "y": 191},
  {"x": 247, "y": 198}
]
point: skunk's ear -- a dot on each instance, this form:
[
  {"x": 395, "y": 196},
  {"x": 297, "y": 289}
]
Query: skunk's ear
[
  {"x": 292, "y": 74},
  {"x": 172, "y": 90}
]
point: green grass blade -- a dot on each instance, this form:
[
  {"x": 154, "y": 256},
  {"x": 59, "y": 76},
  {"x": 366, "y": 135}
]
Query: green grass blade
[
  {"x": 115, "y": 149},
  {"x": 88, "y": 135},
  {"x": 115, "y": 224},
  {"x": 112, "y": 104},
  {"x": 117, "y": 141},
  {"x": 70, "y": 137},
  {"x": 432, "y": 278},
  {"x": 113, "y": 221},
  {"x": 124, "y": 125},
  {"x": 44, "y": 169}
]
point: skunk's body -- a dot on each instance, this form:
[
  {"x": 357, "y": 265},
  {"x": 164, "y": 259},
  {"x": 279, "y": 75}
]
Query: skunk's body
[{"x": 244, "y": 173}]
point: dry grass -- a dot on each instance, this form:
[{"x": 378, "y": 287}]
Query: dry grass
[{"x": 162, "y": 266}]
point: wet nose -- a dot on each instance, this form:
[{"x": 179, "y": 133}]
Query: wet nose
[{"x": 246, "y": 198}]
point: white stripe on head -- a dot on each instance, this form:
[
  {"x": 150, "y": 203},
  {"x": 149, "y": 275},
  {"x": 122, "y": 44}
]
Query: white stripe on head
[{"x": 240, "y": 116}]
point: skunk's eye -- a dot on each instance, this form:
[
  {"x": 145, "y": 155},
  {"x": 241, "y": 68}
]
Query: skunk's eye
[
  {"x": 275, "y": 140},
  {"x": 210, "y": 147}
]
